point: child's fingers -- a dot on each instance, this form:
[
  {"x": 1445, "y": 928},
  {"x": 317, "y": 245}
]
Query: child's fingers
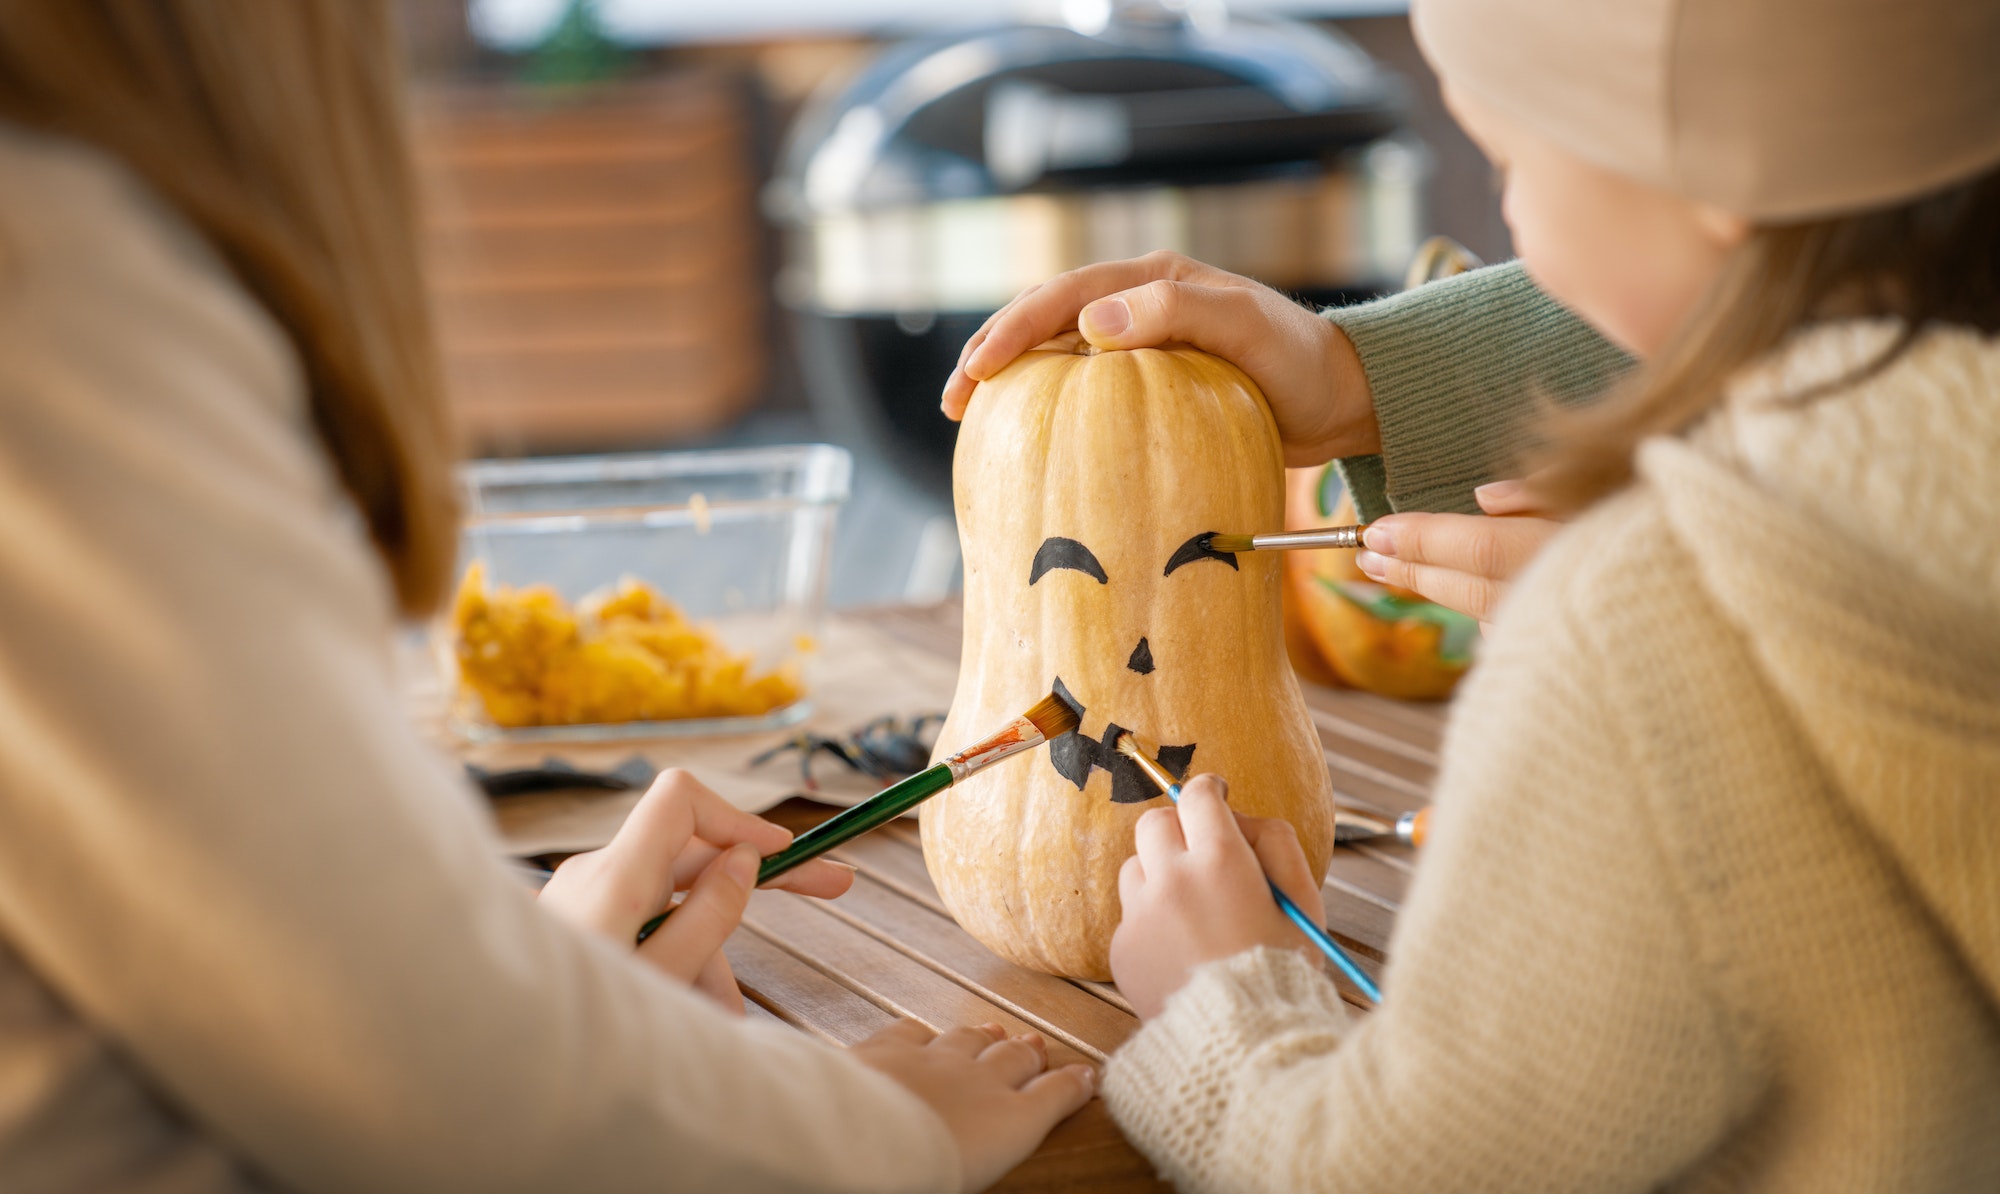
[
  {"x": 968, "y": 1040},
  {"x": 712, "y": 910},
  {"x": 1061, "y": 1093},
  {"x": 718, "y": 982},
  {"x": 1512, "y": 496},
  {"x": 1207, "y": 824},
  {"x": 1131, "y": 882},
  {"x": 1016, "y": 1059},
  {"x": 1284, "y": 860},
  {"x": 1157, "y": 836},
  {"x": 1473, "y": 543},
  {"x": 1465, "y": 592},
  {"x": 902, "y": 1032},
  {"x": 679, "y": 807}
]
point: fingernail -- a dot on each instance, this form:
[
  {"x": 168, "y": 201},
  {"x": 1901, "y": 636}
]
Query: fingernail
[
  {"x": 1220, "y": 784},
  {"x": 1372, "y": 565},
  {"x": 849, "y": 867},
  {"x": 1089, "y": 1077},
  {"x": 993, "y": 1030},
  {"x": 1379, "y": 538},
  {"x": 741, "y": 863},
  {"x": 1494, "y": 492},
  {"x": 1106, "y": 317}
]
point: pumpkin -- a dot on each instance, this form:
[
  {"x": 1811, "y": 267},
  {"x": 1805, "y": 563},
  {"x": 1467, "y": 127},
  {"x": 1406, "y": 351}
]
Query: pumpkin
[
  {"x": 1084, "y": 484},
  {"x": 1370, "y": 636}
]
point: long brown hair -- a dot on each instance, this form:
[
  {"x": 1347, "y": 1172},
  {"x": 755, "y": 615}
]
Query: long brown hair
[
  {"x": 1934, "y": 261},
  {"x": 276, "y": 128}
]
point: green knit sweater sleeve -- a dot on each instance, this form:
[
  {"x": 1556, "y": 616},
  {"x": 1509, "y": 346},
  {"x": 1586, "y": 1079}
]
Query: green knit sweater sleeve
[{"x": 1457, "y": 369}]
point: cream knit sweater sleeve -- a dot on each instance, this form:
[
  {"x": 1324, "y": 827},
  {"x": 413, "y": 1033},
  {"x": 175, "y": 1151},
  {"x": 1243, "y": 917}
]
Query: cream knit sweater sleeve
[
  {"x": 251, "y": 928},
  {"x": 1545, "y": 925}
]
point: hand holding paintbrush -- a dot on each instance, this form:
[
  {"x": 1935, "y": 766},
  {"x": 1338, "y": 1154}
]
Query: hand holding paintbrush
[
  {"x": 1317, "y": 934},
  {"x": 1051, "y": 718}
]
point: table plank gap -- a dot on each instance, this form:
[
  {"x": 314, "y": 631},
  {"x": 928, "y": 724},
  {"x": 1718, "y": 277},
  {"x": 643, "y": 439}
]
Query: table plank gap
[
  {"x": 1384, "y": 788},
  {"x": 798, "y": 995},
  {"x": 1335, "y": 725},
  {"x": 891, "y": 865},
  {"x": 1053, "y": 1006},
  {"x": 1420, "y": 723},
  {"x": 886, "y": 977},
  {"x": 1108, "y": 992}
]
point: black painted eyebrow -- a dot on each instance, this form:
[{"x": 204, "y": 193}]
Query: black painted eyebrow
[
  {"x": 1198, "y": 548},
  {"x": 1057, "y": 552}
]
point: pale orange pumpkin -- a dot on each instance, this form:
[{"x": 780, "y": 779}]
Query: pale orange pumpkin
[{"x": 1083, "y": 484}]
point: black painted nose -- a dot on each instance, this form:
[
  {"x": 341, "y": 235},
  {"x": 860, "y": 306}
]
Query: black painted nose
[{"x": 1142, "y": 659}]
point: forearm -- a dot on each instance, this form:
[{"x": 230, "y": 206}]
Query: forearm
[{"x": 1457, "y": 370}]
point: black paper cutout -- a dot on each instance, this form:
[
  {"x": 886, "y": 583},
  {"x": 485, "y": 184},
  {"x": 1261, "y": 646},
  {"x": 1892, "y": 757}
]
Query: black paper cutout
[
  {"x": 1142, "y": 659},
  {"x": 1057, "y": 552},
  {"x": 1074, "y": 755},
  {"x": 1198, "y": 548}
]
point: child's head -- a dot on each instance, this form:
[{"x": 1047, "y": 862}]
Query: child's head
[{"x": 1699, "y": 177}]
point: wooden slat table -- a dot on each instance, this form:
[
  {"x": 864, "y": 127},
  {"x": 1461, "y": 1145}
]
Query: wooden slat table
[{"x": 840, "y": 970}]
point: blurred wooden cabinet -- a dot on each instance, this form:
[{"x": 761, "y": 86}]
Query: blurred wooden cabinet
[{"x": 596, "y": 259}]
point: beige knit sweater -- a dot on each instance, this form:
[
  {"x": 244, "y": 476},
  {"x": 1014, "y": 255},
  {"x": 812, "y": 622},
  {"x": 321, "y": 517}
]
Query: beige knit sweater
[
  {"x": 1713, "y": 896},
  {"x": 253, "y": 932}
]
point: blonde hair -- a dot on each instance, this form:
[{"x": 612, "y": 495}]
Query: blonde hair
[
  {"x": 276, "y": 128},
  {"x": 1933, "y": 261}
]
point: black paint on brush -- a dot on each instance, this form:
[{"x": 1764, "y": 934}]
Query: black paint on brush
[{"x": 1201, "y": 547}]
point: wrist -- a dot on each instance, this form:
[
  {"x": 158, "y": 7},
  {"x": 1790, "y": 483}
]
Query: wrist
[{"x": 1346, "y": 424}]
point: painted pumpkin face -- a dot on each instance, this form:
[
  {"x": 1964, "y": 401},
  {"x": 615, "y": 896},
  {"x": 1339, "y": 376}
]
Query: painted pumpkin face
[{"x": 1085, "y": 485}]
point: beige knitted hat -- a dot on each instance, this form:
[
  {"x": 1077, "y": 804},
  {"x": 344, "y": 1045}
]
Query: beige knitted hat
[{"x": 1773, "y": 109}]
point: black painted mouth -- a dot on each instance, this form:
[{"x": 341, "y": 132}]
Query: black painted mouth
[{"x": 1074, "y": 755}]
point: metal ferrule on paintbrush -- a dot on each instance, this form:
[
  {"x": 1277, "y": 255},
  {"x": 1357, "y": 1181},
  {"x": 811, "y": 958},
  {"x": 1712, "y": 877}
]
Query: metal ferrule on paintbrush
[
  {"x": 1052, "y": 717},
  {"x": 1347, "y": 537}
]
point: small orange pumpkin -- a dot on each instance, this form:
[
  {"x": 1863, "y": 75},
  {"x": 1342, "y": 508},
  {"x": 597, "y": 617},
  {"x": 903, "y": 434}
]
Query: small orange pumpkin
[
  {"x": 1373, "y": 637},
  {"x": 1084, "y": 483}
]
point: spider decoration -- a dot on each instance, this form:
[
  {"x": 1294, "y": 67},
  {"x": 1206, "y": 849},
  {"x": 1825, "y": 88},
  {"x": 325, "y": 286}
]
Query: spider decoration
[{"x": 884, "y": 750}]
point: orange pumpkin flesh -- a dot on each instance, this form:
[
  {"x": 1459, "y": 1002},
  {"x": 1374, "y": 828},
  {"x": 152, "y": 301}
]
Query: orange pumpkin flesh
[{"x": 1089, "y": 474}]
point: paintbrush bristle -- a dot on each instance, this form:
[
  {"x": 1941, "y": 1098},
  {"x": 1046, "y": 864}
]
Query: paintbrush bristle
[
  {"x": 1055, "y": 717},
  {"x": 1230, "y": 543}
]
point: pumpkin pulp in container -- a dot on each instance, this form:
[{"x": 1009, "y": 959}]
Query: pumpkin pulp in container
[
  {"x": 1084, "y": 484},
  {"x": 641, "y": 595}
]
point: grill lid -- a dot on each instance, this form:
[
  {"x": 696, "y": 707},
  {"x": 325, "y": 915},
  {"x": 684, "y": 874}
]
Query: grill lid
[{"x": 1152, "y": 98}]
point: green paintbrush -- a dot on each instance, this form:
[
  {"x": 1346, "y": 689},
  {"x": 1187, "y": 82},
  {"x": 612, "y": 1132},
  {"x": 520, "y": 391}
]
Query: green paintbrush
[{"x": 1051, "y": 718}]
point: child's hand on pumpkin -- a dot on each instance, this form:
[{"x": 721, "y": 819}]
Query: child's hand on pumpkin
[
  {"x": 682, "y": 836},
  {"x": 1305, "y": 366},
  {"x": 995, "y": 1092},
  {"x": 1195, "y": 892},
  {"x": 1463, "y": 561}
]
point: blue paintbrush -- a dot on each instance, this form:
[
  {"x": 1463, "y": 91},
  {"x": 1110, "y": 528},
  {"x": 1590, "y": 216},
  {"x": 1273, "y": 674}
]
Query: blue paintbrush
[{"x": 1129, "y": 747}]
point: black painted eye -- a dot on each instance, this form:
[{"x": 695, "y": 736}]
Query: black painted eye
[
  {"x": 1057, "y": 552},
  {"x": 1198, "y": 548}
]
